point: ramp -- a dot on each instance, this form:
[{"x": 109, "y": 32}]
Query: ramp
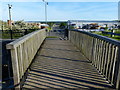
[{"x": 60, "y": 65}]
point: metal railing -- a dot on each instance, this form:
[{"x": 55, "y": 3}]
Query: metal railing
[
  {"x": 15, "y": 34},
  {"x": 102, "y": 51},
  {"x": 110, "y": 33}
]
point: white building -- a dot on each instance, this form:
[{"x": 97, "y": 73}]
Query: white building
[{"x": 80, "y": 23}]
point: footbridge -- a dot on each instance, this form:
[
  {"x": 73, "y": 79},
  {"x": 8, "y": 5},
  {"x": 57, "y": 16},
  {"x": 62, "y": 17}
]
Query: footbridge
[{"x": 45, "y": 60}]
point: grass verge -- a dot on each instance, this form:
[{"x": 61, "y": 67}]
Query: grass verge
[
  {"x": 52, "y": 37},
  {"x": 115, "y": 37}
]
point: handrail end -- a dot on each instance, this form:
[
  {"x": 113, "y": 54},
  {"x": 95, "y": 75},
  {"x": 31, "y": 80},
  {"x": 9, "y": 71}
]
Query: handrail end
[{"x": 9, "y": 46}]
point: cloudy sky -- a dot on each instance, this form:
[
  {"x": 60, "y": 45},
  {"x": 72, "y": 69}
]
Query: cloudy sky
[{"x": 34, "y": 11}]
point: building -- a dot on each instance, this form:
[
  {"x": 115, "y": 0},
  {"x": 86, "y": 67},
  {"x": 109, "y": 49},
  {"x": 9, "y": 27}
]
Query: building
[
  {"x": 10, "y": 22},
  {"x": 38, "y": 25},
  {"x": 80, "y": 23},
  {"x": 44, "y": 26}
]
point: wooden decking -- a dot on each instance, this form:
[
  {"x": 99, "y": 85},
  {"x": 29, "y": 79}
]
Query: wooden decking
[{"x": 60, "y": 65}]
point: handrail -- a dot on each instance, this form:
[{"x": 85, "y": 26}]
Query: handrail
[
  {"x": 110, "y": 33},
  {"x": 99, "y": 37},
  {"x": 102, "y": 51},
  {"x": 23, "y": 51}
]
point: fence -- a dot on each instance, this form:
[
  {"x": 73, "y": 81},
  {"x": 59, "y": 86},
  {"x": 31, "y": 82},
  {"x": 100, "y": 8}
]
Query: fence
[
  {"x": 23, "y": 51},
  {"x": 111, "y": 33},
  {"x": 6, "y": 65},
  {"x": 102, "y": 51},
  {"x": 57, "y": 33},
  {"x": 7, "y": 34}
]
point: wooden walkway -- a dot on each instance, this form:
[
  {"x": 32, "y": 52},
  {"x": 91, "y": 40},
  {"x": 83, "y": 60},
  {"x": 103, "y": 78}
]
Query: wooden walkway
[{"x": 60, "y": 65}]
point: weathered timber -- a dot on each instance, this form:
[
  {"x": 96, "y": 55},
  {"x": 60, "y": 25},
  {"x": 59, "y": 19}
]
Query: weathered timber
[
  {"x": 23, "y": 51},
  {"x": 60, "y": 65},
  {"x": 102, "y": 51}
]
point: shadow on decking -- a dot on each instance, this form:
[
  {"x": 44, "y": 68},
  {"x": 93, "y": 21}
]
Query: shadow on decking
[
  {"x": 61, "y": 45},
  {"x": 48, "y": 80},
  {"x": 66, "y": 59},
  {"x": 83, "y": 79},
  {"x": 80, "y": 75},
  {"x": 62, "y": 67},
  {"x": 83, "y": 73},
  {"x": 62, "y": 49}
]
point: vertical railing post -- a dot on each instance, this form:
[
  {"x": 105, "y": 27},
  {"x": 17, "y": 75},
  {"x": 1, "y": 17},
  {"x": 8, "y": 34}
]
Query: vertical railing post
[
  {"x": 15, "y": 66},
  {"x": 118, "y": 79},
  {"x": 23, "y": 51},
  {"x": 104, "y": 53},
  {"x": 11, "y": 34},
  {"x": 117, "y": 70}
]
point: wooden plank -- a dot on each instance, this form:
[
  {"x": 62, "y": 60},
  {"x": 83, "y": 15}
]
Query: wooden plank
[
  {"x": 103, "y": 54},
  {"x": 21, "y": 40},
  {"x": 23, "y": 51},
  {"x": 15, "y": 67},
  {"x": 56, "y": 64}
]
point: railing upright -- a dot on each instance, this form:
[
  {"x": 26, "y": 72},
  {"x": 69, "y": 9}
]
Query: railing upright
[
  {"x": 23, "y": 51},
  {"x": 103, "y": 52}
]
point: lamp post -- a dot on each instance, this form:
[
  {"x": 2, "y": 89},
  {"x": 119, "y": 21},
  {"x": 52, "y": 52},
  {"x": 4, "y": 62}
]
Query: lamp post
[
  {"x": 9, "y": 7},
  {"x": 46, "y": 3},
  {"x": 2, "y": 26}
]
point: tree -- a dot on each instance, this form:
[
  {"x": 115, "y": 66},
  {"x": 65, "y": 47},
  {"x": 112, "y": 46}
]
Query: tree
[
  {"x": 4, "y": 25},
  {"x": 1, "y": 25},
  {"x": 63, "y": 25},
  {"x": 50, "y": 25},
  {"x": 20, "y": 24}
]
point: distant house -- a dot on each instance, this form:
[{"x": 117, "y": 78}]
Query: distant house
[
  {"x": 35, "y": 25},
  {"x": 44, "y": 26},
  {"x": 86, "y": 23},
  {"x": 10, "y": 22}
]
